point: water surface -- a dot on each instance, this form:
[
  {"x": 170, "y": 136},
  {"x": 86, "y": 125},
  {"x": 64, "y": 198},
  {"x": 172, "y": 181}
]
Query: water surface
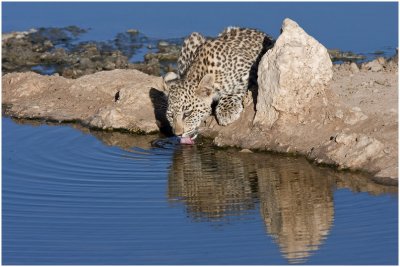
[{"x": 78, "y": 196}]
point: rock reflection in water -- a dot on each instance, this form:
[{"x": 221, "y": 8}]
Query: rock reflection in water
[
  {"x": 296, "y": 205},
  {"x": 124, "y": 140}
]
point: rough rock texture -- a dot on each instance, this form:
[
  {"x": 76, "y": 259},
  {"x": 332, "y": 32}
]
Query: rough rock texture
[
  {"x": 291, "y": 74},
  {"x": 350, "y": 122},
  {"x": 357, "y": 130},
  {"x": 117, "y": 99}
]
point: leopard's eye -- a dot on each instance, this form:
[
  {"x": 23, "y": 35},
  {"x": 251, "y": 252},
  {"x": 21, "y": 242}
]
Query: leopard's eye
[{"x": 187, "y": 114}]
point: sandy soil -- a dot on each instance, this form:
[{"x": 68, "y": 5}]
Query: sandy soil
[{"x": 375, "y": 94}]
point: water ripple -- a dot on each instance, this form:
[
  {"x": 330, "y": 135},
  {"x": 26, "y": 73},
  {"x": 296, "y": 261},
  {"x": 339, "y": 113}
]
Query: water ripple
[{"x": 91, "y": 197}]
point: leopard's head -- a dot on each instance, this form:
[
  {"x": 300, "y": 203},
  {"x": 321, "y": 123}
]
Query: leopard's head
[{"x": 189, "y": 104}]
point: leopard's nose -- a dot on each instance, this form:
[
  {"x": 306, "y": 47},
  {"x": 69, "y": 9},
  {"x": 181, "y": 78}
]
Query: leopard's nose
[
  {"x": 178, "y": 125},
  {"x": 178, "y": 131}
]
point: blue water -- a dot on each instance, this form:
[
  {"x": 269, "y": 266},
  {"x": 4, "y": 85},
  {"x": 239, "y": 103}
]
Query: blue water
[
  {"x": 75, "y": 196},
  {"x": 359, "y": 27}
]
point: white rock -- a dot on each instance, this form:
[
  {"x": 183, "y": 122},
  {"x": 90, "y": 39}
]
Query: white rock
[
  {"x": 246, "y": 150},
  {"x": 345, "y": 139},
  {"x": 291, "y": 74},
  {"x": 355, "y": 115},
  {"x": 339, "y": 114},
  {"x": 170, "y": 76},
  {"x": 381, "y": 60},
  {"x": 390, "y": 172},
  {"x": 354, "y": 68},
  {"x": 354, "y": 150},
  {"x": 374, "y": 65}
]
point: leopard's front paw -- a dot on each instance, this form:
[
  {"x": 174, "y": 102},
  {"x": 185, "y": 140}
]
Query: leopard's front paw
[{"x": 226, "y": 116}]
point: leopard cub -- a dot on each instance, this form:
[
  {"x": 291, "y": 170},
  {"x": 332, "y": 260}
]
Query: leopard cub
[{"x": 219, "y": 70}]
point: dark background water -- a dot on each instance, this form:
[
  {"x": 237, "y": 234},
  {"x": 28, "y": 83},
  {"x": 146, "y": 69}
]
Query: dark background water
[
  {"x": 75, "y": 196},
  {"x": 359, "y": 27}
]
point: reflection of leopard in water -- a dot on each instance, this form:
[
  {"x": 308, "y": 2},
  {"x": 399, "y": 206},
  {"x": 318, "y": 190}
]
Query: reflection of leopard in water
[
  {"x": 214, "y": 185},
  {"x": 221, "y": 70}
]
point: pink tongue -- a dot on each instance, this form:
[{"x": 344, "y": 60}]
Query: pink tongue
[{"x": 187, "y": 141}]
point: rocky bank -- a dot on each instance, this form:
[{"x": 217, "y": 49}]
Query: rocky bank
[
  {"x": 57, "y": 50},
  {"x": 343, "y": 115}
]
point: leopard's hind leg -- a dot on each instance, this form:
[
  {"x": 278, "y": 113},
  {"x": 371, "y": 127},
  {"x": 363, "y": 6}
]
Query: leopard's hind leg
[{"x": 188, "y": 52}]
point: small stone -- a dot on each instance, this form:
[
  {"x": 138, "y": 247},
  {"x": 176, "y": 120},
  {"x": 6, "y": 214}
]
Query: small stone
[
  {"x": 381, "y": 60},
  {"x": 163, "y": 44},
  {"x": 354, "y": 68},
  {"x": 170, "y": 76},
  {"x": 374, "y": 66},
  {"x": 86, "y": 63},
  {"x": 245, "y": 150},
  {"x": 355, "y": 116},
  {"x": 339, "y": 114},
  {"x": 133, "y": 31},
  {"x": 345, "y": 139},
  {"x": 109, "y": 65}
]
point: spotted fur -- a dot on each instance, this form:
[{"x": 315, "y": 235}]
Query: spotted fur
[
  {"x": 218, "y": 70},
  {"x": 189, "y": 49}
]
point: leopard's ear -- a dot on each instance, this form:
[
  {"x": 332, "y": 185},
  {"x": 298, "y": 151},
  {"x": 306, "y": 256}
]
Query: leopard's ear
[
  {"x": 168, "y": 77},
  {"x": 206, "y": 86}
]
